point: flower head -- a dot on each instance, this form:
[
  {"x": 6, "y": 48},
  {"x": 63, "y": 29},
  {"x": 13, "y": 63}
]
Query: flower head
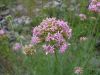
[
  {"x": 78, "y": 70},
  {"x": 17, "y": 46},
  {"x": 2, "y": 32},
  {"x": 28, "y": 50},
  {"x": 94, "y": 6},
  {"x": 83, "y": 38},
  {"x": 82, "y": 16},
  {"x": 54, "y": 33}
]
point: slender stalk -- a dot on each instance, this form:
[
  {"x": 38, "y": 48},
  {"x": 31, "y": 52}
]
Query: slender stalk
[
  {"x": 95, "y": 25},
  {"x": 56, "y": 64}
]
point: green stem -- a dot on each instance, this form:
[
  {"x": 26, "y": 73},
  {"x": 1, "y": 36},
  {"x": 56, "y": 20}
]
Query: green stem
[
  {"x": 56, "y": 64},
  {"x": 95, "y": 25},
  {"x": 56, "y": 58}
]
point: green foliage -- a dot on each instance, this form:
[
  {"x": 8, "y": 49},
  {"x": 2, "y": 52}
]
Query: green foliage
[
  {"x": 80, "y": 53},
  {"x": 6, "y": 2}
]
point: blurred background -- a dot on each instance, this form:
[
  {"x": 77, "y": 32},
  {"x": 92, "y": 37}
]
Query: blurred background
[{"x": 18, "y": 17}]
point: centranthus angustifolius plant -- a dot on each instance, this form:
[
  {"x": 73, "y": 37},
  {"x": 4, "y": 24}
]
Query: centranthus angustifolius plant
[{"x": 54, "y": 35}]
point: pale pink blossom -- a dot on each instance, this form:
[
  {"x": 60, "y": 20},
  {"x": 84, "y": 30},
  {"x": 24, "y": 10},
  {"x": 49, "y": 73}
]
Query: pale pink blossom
[
  {"x": 17, "y": 46},
  {"x": 83, "y": 38},
  {"x": 78, "y": 70},
  {"x": 2, "y": 32},
  {"x": 82, "y": 16},
  {"x": 63, "y": 48},
  {"x": 98, "y": 4},
  {"x": 94, "y": 6},
  {"x": 49, "y": 37},
  {"x": 48, "y": 49}
]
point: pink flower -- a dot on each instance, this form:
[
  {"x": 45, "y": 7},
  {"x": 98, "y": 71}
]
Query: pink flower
[
  {"x": 35, "y": 40},
  {"x": 63, "y": 48},
  {"x": 2, "y": 32},
  {"x": 93, "y": 1},
  {"x": 53, "y": 32},
  {"x": 48, "y": 49},
  {"x": 98, "y": 7},
  {"x": 82, "y": 16},
  {"x": 17, "y": 46},
  {"x": 49, "y": 37},
  {"x": 94, "y": 6},
  {"x": 78, "y": 70},
  {"x": 37, "y": 31},
  {"x": 59, "y": 38},
  {"x": 65, "y": 28},
  {"x": 98, "y": 4}
]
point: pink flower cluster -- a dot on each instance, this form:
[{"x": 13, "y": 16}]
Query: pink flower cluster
[
  {"x": 54, "y": 33},
  {"x": 94, "y": 6}
]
